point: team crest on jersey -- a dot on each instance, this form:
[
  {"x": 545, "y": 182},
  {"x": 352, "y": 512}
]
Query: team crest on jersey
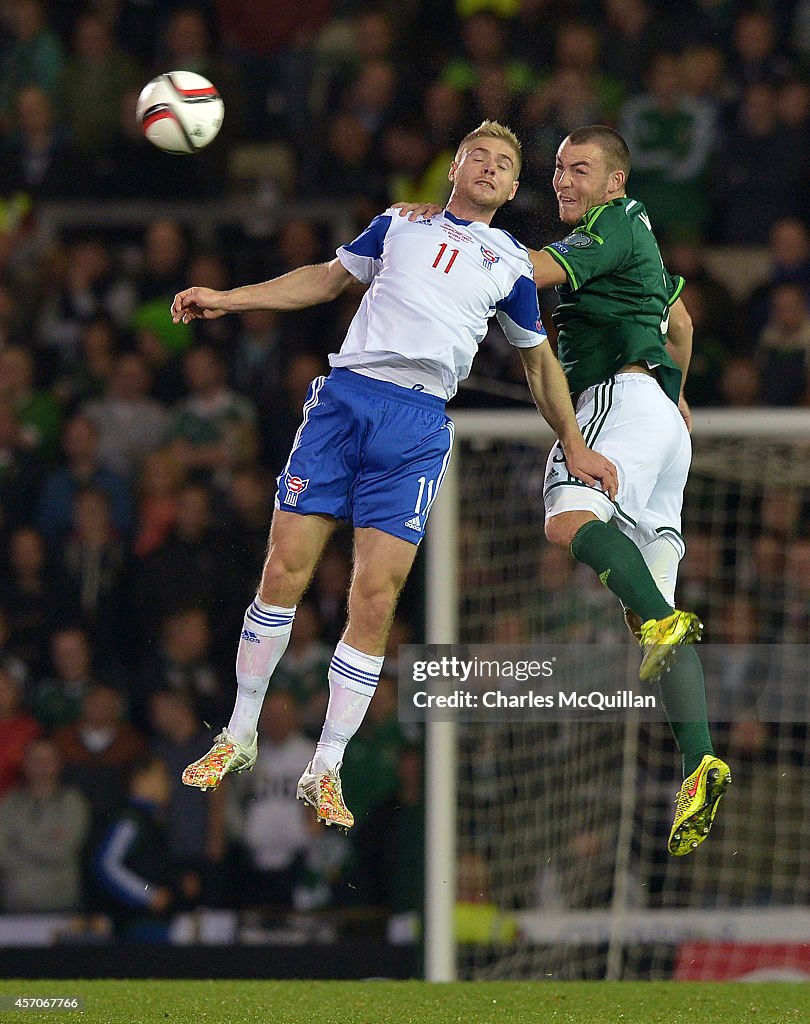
[
  {"x": 489, "y": 257},
  {"x": 578, "y": 241},
  {"x": 295, "y": 486}
]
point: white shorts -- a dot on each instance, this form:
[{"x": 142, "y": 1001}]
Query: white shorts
[{"x": 630, "y": 421}]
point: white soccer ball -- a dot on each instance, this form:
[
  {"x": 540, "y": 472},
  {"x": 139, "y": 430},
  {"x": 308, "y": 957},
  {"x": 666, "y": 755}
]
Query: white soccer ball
[{"x": 180, "y": 112}]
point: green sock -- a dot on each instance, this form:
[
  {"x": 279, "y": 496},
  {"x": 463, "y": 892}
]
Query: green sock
[
  {"x": 683, "y": 695},
  {"x": 620, "y": 566}
]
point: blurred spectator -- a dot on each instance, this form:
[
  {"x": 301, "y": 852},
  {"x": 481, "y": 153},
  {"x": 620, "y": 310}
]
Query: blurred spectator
[
  {"x": 705, "y": 79},
  {"x": 329, "y": 590},
  {"x": 130, "y": 423},
  {"x": 264, "y": 812},
  {"x": 86, "y": 374},
  {"x": 196, "y": 838},
  {"x": 577, "y": 47},
  {"x": 784, "y": 346},
  {"x": 250, "y": 501},
  {"x": 182, "y": 663},
  {"x": 82, "y": 468},
  {"x": 9, "y": 662},
  {"x": 781, "y": 510},
  {"x": 797, "y": 591},
  {"x": 709, "y": 354},
  {"x": 92, "y": 565},
  {"x": 132, "y": 863},
  {"x": 767, "y": 583},
  {"x": 671, "y": 137},
  {"x": 12, "y": 331},
  {"x": 303, "y": 670},
  {"x": 43, "y": 825},
  {"x": 701, "y": 576},
  {"x": 755, "y": 56},
  {"x": 722, "y": 317},
  {"x": 212, "y": 431},
  {"x": 186, "y": 570},
  {"x": 33, "y": 55},
  {"x": 271, "y": 43},
  {"x": 163, "y": 267},
  {"x": 348, "y": 166},
  {"x": 38, "y": 158},
  {"x": 369, "y": 771},
  {"x": 36, "y": 411},
  {"x": 793, "y": 112},
  {"x": 31, "y": 597},
  {"x": 749, "y": 206},
  {"x": 280, "y": 417},
  {"x": 256, "y": 360},
  {"x": 483, "y": 45},
  {"x": 95, "y": 78},
  {"x": 82, "y": 290},
  {"x": 553, "y": 615},
  {"x": 99, "y": 749},
  {"x": 443, "y": 110},
  {"x": 739, "y": 382},
  {"x": 57, "y": 699},
  {"x": 414, "y": 168},
  {"x": 21, "y": 472},
  {"x": 391, "y": 842},
  {"x": 630, "y": 32},
  {"x": 19, "y": 727},
  {"x": 160, "y": 480},
  {"x": 789, "y": 250},
  {"x": 371, "y": 96}
]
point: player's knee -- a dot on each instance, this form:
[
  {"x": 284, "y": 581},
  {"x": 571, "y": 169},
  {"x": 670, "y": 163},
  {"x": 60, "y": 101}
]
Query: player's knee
[
  {"x": 559, "y": 531},
  {"x": 372, "y": 604},
  {"x": 284, "y": 577}
]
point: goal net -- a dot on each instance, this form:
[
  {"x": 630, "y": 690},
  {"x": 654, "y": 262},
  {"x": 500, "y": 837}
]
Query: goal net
[{"x": 561, "y": 827}]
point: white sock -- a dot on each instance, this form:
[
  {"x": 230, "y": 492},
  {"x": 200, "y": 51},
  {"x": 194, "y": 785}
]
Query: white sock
[
  {"x": 265, "y": 635},
  {"x": 353, "y": 678}
]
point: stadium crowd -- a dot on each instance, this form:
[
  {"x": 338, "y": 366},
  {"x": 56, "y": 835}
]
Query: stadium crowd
[{"x": 138, "y": 457}]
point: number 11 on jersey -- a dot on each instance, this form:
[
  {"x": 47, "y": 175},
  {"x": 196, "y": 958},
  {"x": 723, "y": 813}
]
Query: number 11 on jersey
[{"x": 440, "y": 255}]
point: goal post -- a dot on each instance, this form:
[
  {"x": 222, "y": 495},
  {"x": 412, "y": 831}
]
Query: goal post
[{"x": 565, "y": 821}]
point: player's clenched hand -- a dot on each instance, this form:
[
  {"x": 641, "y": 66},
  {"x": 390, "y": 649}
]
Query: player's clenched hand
[
  {"x": 197, "y": 304},
  {"x": 593, "y": 469},
  {"x": 414, "y": 210}
]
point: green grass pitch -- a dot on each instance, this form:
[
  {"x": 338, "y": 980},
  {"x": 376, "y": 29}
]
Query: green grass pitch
[{"x": 414, "y": 1002}]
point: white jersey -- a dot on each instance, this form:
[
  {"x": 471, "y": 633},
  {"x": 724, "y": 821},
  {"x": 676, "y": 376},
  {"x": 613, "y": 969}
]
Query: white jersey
[{"x": 434, "y": 285}]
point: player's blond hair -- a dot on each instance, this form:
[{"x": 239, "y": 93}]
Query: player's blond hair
[{"x": 493, "y": 130}]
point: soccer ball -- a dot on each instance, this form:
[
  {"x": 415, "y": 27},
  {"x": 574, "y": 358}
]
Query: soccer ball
[{"x": 180, "y": 112}]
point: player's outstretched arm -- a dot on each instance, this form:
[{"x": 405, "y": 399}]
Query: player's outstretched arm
[
  {"x": 306, "y": 286},
  {"x": 549, "y": 390},
  {"x": 547, "y": 271}
]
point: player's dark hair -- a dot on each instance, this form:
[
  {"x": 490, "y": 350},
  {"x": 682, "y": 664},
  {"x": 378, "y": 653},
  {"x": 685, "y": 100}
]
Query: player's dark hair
[{"x": 617, "y": 155}]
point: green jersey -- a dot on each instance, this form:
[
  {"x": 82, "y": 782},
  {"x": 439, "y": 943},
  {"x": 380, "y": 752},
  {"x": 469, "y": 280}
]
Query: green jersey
[{"x": 614, "y": 309}]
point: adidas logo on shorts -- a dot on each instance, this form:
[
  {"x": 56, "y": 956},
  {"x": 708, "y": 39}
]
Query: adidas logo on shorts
[{"x": 414, "y": 524}]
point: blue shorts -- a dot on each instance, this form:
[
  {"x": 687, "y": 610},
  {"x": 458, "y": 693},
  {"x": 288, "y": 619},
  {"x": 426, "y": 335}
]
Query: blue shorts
[{"x": 368, "y": 451}]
